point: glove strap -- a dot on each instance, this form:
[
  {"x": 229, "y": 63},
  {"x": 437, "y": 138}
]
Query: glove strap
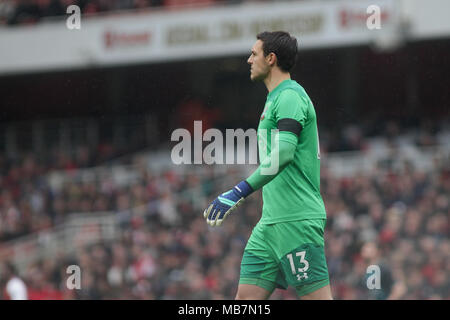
[{"x": 243, "y": 189}]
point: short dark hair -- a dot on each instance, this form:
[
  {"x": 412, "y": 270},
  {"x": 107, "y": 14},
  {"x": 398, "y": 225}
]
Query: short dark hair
[{"x": 283, "y": 45}]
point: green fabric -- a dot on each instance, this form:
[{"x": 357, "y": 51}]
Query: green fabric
[
  {"x": 275, "y": 253},
  {"x": 311, "y": 287},
  {"x": 292, "y": 192},
  {"x": 272, "y": 165}
]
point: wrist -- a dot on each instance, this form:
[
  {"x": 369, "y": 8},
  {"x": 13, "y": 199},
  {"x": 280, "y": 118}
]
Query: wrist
[{"x": 244, "y": 188}]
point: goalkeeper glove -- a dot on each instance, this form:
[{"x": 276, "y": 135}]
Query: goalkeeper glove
[{"x": 224, "y": 204}]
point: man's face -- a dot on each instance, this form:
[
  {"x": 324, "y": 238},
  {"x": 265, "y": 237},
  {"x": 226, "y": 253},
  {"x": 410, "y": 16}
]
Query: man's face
[
  {"x": 369, "y": 251},
  {"x": 259, "y": 65}
]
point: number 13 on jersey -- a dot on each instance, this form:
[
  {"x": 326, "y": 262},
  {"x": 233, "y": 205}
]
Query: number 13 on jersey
[{"x": 300, "y": 273}]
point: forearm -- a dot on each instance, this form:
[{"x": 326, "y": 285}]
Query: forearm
[{"x": 272, "y": 165}]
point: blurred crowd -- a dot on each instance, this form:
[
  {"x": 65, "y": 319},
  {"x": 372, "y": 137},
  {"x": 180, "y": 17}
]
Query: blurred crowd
[
  {"x": 167, "y": 251},
  {"x": 406, "y": 215},
  {"x": 27, "y": 204},
  {"x": 14, "y": 12}
]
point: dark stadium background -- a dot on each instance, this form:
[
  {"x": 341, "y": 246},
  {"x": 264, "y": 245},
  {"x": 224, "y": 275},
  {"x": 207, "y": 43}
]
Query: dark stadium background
[{"x": 162, "y": 248}]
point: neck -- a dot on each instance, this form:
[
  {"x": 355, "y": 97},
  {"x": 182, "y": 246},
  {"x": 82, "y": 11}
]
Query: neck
[{"x": 275, "y": 77}]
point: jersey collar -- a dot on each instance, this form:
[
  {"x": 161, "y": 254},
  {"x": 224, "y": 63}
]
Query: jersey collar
[{"x": 279, "y": 87}]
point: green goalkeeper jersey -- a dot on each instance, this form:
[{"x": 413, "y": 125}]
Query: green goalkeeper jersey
[{"x": 294, "y": 194}]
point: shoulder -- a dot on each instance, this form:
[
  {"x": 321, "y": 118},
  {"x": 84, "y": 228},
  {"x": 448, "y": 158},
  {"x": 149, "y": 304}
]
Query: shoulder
[
  {"x": 288, "y": 95},
  {"x": 292, "y": 98},
  {"x": 295, "y": 91}
]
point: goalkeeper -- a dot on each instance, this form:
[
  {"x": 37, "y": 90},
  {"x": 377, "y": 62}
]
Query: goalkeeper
[{"x": 286, "y": 246}]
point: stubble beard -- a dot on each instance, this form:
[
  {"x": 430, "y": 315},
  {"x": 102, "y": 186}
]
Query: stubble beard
[{"x": 256, "y": 78}]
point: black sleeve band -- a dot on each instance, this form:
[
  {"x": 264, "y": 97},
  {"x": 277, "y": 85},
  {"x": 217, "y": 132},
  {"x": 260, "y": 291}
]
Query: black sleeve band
[{"x": 290, "y": 125}]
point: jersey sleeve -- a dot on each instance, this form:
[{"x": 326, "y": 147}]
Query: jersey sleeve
[
  {"x": 290, "y": 106},
  {"x": 272, "y": 165}
]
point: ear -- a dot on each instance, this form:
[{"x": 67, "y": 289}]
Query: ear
[{"x": 271, "y": 59}]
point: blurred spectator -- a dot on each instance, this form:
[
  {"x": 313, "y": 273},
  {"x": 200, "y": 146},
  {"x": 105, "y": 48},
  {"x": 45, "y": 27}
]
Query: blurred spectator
[
  {"x": 15, "y": 288},
  {"x": 6, "y": 11},
  {"x": 195, "y": 109},
  {"x": 390, "y": 287},
  {"x": 15, "y": 12}
]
